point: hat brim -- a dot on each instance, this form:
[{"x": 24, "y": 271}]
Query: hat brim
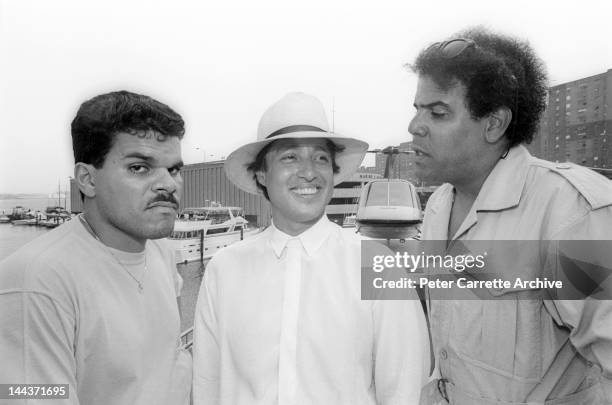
[{"x": 348, "y": 160}]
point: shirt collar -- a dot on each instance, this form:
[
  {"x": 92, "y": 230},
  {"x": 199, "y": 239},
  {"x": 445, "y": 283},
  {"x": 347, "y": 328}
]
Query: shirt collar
[
  {"x": 311, "y": 239},
  {"x": 503, "y": 187},
  {"x": 501, "y": 190}
]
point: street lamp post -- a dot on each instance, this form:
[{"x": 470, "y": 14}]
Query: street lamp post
[{"x": 203, "y": 152}]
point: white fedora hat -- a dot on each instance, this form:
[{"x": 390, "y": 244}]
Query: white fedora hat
[{"x": 296, "y": 115}]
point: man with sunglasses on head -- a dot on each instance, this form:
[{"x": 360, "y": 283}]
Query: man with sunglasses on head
[{"x": 479, "y": 99}]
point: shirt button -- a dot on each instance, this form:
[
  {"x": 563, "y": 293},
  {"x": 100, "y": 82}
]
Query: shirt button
[{"x": 443, "y": 354}]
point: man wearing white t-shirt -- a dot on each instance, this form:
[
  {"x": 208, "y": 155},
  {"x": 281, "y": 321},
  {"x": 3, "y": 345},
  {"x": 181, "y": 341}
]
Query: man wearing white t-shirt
[
  {"x": 92, "y": 304},
  {"x": 279, "y": 318}
]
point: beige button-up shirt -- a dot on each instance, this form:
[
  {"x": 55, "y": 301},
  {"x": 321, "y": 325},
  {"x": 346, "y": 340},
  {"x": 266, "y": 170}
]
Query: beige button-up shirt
[
  {"x": 500, "y": 350},
  {"x": 324, "y": 345}
]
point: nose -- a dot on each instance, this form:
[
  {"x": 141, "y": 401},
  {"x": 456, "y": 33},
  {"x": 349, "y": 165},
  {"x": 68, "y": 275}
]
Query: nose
[
  {"x": 416, "y": 126},
  {"x": 165, "y": 181},
  {"x": 307, "y": 170}
]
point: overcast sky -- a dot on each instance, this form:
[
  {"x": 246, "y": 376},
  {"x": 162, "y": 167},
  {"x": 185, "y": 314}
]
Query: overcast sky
[{"x": 220, "y": 64}]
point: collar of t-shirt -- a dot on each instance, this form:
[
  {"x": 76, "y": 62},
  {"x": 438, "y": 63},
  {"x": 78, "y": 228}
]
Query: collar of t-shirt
[
  {"x": 125, "y": 258},
  {"x": 311, "y": 239}
]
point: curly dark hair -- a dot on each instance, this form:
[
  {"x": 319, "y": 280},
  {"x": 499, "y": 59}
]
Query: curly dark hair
[
  {"x": 498, "y": 71},
  {"x": 259, "y": 164},
  {"x": 100, "y": 119}
]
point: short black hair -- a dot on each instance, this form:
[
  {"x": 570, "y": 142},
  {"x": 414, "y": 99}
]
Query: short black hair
[
  {"x": 498, "y": 71},
  {"x": 101, "y": 118},
  {"x": 259, "y": 164}
]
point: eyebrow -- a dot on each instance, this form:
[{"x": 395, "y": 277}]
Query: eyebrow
[
  {"x": 138, "y": 155},
  {"x": 432, "y": 105},
  {"x": 149, "y": 159}
]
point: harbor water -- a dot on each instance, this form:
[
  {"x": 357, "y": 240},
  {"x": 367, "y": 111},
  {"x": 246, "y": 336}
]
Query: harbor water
[{"x": 13, "y": 237}]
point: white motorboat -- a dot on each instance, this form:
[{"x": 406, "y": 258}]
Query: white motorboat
[{"x": 212, "y": 227}]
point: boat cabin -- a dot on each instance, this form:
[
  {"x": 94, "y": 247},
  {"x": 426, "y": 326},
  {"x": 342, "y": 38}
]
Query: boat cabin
[{"x": 192, "y": 222}]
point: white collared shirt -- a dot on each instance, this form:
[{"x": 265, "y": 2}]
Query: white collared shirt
[{"x": 347, "y": 351}]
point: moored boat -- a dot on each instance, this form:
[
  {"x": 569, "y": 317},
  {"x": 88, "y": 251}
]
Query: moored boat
[
  {"x": 27, "y": 221},
  {"x": 212, "y": 227}
]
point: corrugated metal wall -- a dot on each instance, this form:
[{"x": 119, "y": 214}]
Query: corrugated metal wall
[{"x": 203, "y": 184}]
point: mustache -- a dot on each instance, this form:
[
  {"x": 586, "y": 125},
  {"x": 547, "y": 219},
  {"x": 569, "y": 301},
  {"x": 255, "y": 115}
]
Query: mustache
[{"x": 164, "y": 197}]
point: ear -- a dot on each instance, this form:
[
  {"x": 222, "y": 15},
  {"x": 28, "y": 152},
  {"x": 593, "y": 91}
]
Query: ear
[
  {"x": 85, "y": 179},
  {"x": 497, "y": 123},
  {"x": 261, "y": 177}
]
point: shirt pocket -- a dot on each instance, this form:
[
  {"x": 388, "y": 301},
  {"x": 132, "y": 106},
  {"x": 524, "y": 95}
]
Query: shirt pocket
[{"x": 502, "y": 336}]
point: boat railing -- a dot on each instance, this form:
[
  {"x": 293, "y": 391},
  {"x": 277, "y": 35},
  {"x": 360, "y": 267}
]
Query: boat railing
[
  {"x": 187, "y": 344},
  {"x": 187, "y": 339}
]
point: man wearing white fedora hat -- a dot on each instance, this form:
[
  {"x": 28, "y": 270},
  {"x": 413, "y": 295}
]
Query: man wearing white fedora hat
[{"x": 279, "y": 318}]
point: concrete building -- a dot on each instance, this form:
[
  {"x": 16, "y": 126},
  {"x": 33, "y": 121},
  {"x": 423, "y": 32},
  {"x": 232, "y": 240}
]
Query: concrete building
[{"x": 577, "y": 123}]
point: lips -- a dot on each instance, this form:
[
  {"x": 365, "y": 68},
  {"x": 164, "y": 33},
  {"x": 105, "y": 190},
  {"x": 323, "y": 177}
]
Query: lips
[
  {"x": 164, "y": 204},
  {"x": 305, "y": 190},
  {"x": 419, "y": 152}
]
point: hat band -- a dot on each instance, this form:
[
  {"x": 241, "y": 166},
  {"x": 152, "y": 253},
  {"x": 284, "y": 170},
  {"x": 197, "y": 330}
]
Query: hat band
[{"x": 295, "y": 128}]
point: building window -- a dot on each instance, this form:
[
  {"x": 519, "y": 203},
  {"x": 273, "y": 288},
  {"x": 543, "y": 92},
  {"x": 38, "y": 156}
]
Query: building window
[
  {"x": 568, "y": 106},
  {"x": 595, "y": 158},
  {"x": 568, "y": 97},
  {"x": 567, "y": 137}
]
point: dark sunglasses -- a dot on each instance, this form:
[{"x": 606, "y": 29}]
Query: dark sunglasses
[{"x": 452, "y": 48}]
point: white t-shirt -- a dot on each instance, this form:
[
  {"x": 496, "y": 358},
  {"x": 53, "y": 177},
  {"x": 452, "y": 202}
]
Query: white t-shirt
[{"x": 71, "y": 314}]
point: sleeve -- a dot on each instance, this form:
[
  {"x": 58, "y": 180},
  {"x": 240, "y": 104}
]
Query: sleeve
[
  {"x": 206, "y": 365},
  {"x": 581, "y": 257},
  {"x": 37, "y": 343},
  {"x": 401, "y": 351}
]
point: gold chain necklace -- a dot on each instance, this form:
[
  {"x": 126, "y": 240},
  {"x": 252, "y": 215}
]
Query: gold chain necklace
[{"x": 91, "y": 230}]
